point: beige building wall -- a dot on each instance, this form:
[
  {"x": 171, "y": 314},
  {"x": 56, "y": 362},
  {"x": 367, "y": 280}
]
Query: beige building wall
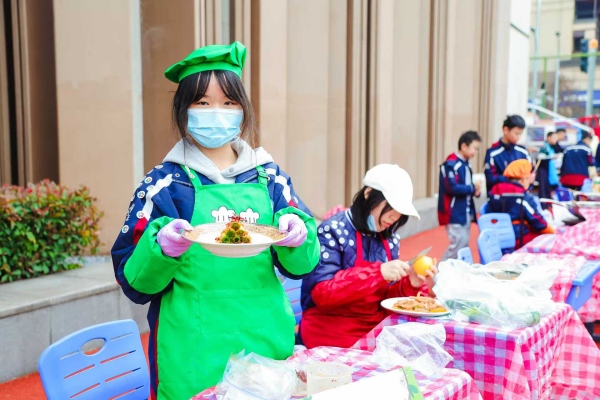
[
  {"x": 412, "y": 87},
  {"x": 518, "y": 57},
  {"x": 468, "y": 78},
  {"x": 167, "y": 33},
  {"x": 338, "y": 86},
  {"x": 28, "y": 121},
  {"x": 556, "y": 16},
  {"x": 98, "y": 78}
]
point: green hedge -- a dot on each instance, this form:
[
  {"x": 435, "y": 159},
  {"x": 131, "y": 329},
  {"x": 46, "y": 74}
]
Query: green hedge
[{"x": 42, "y": 227}]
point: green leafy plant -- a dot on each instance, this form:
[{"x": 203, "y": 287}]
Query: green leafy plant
[{"x": 44, "y": 228}]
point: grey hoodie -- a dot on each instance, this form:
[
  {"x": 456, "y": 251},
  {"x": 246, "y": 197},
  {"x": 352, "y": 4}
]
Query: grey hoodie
[{"x": 186, "y": 153}]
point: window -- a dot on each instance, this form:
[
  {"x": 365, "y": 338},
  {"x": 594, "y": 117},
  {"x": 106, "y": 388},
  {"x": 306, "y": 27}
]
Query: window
[
  {"x": 577, "y": 37},
  {"x": 584, "y": 9}
]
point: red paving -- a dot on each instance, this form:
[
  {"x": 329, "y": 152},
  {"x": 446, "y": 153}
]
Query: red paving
[{"x": 30, "y": 387}]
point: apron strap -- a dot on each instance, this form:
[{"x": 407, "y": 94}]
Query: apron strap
[
  {"x": 263, "y": 177},
  {"x": 386, "y": 246},
  {"x": 193, "y": 177},
  {"x": 359, "y": 248}
]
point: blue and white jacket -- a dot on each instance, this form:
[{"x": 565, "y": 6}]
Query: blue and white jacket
[
  {"x": 576, "y": 161},
  {"x": 497, "y": 159},
  {"x": 456, "y": 190},
  {"x": 337, "y": 236},
  {"x": 167, "y": 191}
]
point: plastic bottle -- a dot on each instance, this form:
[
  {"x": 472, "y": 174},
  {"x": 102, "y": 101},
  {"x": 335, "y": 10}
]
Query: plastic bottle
[{"x": 596, "y": 185}]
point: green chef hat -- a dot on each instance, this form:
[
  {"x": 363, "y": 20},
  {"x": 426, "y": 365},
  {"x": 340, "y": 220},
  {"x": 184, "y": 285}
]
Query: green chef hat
[{"x": 209, "y": 58}]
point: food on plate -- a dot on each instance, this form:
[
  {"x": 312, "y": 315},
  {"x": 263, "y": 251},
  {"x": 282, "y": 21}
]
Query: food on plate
[
  {"x": 301, "y": 375},
  {"x": 234, "y": 233},
  {"x": 419, "y": 303},
  {"x": 422, "y": 265}
]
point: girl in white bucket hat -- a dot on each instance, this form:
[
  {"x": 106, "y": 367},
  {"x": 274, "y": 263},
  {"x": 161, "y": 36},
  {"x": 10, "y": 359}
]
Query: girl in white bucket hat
[{"x": 359, "y": 265}]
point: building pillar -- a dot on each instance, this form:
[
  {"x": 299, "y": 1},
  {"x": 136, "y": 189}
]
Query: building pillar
[{"x": 99, "y": 93}]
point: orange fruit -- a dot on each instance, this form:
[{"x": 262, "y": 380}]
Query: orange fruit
[{"x": 422, "y": 265}]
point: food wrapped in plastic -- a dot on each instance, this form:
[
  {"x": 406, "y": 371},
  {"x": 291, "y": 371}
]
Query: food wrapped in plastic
[
  {"x": 419, "y": 346},
  {"x": 475, "y": 295},
  {"x": 252, "y": 377}
]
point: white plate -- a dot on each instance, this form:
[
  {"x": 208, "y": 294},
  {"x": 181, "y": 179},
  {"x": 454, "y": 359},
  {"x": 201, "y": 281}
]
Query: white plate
[
  {"x": 388, "y": 304},
  {"x": 263, "y": 237}
]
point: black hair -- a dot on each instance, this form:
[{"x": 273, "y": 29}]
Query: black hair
[
  {"x": 551, "y": 134},
  {"x": 467, "y": 138},
  {"x": 514, "y": 121},
  {"x": 362, "y": 206},
  {"x": 561, "y": 130},
  {"x": 585, "y": 135},
  {"x": 193, "y": 87}
]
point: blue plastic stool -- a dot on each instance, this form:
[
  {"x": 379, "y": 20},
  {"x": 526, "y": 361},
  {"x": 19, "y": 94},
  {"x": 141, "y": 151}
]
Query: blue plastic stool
[
  {"x": 587, "y": 186},
  {"x": 489, "y": 248},
  {"x": 118, "y": 367},
  {"x": 465, "y": 255},
  {"x": 484, "y": 209},
  {"x": 563, "y": 194},
  {"x": 581, "y": 290},
  {"x": 502, "y": 225}
]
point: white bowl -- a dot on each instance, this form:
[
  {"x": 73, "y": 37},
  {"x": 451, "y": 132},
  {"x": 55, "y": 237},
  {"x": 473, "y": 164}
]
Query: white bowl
[{"x": 262, "y": 237}]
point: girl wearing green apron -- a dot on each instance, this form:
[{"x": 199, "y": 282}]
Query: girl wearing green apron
[{"x": 203, "y": 308}]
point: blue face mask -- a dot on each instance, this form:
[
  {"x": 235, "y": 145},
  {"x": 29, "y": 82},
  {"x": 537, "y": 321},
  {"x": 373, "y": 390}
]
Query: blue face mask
[
  {"x": 214, "y": 127},
  {"x": 371, "y": 224}
]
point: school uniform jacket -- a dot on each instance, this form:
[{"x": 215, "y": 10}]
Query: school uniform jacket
[
  {"x": 497, "y": 159},
  {"x": 341, "y": 296},
  {"x": 456, "y": 190},
  {"x": 576, "y": 161}
]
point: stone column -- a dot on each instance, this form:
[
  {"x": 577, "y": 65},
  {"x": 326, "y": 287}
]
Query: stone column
[{"x": 99, "y": 93}]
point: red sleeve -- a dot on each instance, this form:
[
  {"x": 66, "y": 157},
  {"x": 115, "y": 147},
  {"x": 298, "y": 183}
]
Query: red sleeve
[
  {"x": 349, "y": 285},
  {"x": 403, "y": 288}
]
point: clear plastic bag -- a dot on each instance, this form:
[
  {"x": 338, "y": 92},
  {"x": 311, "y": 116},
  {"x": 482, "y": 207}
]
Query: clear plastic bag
[
  {"x": 474, "y": 295},
  {"x": 252, "y": 377},
  {"x": 419, "y": 346}
]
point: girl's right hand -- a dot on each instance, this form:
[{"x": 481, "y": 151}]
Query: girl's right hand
[
  {"x": 393, "y": 271},
  {"x": 170, "y": 238}
]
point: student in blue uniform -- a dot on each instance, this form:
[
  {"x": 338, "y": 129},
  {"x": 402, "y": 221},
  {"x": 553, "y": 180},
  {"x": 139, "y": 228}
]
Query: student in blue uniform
[
  {"x": 203, "y": 308},
  {"x": 360, "y": 263},
  {"x": 456, "y": 207},
  {"x": 561, "y": 135},
  {"x": 576, "y": 162},
  {"x": 505, "y": 151},
  {"x": 522, "y": 206}
]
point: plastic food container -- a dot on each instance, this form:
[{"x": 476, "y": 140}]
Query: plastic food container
[{"x": 322, "y": 376}]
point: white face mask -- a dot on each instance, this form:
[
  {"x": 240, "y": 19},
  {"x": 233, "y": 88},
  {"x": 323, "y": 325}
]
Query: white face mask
[
  {"x": 214, "y": 127},
  {"x": 371, "y": 223}
]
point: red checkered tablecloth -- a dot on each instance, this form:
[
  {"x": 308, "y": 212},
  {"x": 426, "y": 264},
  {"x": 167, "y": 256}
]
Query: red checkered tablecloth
[
  {"x": 554, "y": 359},
  {"x": 541, "y": 244},
  {"x": 590, "y": 311},
  {"x": 582, "y": 239},
  {"x": 451, "y": 384}
]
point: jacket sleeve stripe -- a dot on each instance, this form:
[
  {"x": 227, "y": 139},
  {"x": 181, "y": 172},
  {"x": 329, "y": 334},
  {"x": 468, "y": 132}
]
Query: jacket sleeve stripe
[{"x": 149, "y": 204}]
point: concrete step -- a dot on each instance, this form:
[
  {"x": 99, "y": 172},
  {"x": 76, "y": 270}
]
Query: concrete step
[{"x": 37, "y": 312}]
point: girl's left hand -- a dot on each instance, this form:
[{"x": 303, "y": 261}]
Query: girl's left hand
[
  {"x": 417, "y": 280},
  {"x": 295, "y": 228}
]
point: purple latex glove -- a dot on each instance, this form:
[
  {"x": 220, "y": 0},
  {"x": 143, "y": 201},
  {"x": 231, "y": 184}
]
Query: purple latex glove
[
  {"x": 295, "y": 228},
  {"x": 170, "y": 240}
]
